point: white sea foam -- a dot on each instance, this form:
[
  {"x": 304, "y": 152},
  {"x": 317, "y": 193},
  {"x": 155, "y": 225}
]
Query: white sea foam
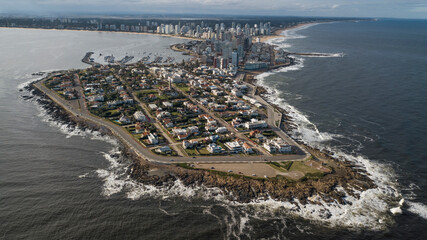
[
  {"x": 282, "y": 42},
  {"x": 325, "y": 55},
  {"x": 83, "y": 175},
  {"x": 67, "y": 129},
  {"x": 25, "y": 84},
  {"x": 373, "y": 209},
  {"x": 417, "y": 208},
  {"x": 370, "y": 210},
  {"x": 33, "y": 78}
]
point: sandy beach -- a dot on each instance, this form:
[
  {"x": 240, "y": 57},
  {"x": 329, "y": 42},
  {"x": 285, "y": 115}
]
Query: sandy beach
[
  {"x": 143, "y": 33},
  {"x": 280, "y": 32}
]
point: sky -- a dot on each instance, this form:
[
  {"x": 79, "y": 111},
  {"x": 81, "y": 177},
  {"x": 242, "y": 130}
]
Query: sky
[{"x": 327, "y": 8}]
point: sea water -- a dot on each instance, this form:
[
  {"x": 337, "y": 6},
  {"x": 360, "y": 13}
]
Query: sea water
[{"x": 366, "y": 102}]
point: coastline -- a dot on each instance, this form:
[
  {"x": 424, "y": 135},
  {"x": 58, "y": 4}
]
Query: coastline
[
  {"x": 102, "y": 31},
  {"x": 235, "y": 187},
  {"x": 238, "y": 188},
  {"x": 280, "y": 32}
]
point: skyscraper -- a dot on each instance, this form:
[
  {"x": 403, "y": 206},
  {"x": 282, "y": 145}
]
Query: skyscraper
[{"x": 235, "y": 58}]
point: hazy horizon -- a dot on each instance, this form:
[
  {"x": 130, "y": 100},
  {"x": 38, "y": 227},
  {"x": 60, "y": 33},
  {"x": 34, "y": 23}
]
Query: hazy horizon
[{"x": 411, "y": 9}]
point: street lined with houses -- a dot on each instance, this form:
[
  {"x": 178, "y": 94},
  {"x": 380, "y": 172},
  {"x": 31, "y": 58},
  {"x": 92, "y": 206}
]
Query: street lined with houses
[{"x": 78, "y": 108}]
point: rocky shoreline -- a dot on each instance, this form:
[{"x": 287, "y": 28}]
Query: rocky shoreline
[{"x": 235, "y": 187}]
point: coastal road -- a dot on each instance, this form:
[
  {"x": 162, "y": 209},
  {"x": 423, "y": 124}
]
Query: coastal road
[
  {"x": 274, "y": 116},
  {"x": 127, "y": 139}
]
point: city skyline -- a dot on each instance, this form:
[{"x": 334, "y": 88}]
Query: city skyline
[{"x": 328, "y": 8}]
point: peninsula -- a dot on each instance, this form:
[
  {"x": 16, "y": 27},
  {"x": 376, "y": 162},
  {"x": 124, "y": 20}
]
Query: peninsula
[{"x": 204, "y": 121}]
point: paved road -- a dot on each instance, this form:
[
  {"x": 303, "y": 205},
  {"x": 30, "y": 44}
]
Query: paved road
[
  {"x": 230, "y": 128},
  {"x": 145, "y": 153},
  {"x": 273, "y": 117},
  {"x": 179, "y": 150}
]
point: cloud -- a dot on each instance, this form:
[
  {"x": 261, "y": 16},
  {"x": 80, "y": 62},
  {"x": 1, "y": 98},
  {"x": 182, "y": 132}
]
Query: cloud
[{"x": 334, "y": 8}]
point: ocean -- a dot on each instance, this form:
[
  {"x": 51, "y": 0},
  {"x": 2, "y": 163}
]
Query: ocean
[{"x": 365, "y": 102}]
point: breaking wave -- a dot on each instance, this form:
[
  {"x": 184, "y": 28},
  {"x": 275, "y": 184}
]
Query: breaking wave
[
  {"x": 68, "y": 129},
  {"x": 282, "y": 42},
  {"x": 375, "y": 207},
  {"x": 418, "y": 209}
]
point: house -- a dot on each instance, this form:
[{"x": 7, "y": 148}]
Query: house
[
  {"x": 217, "y": 92},
  {"x": 213, "y": 148},
  {"x": 153, "y": 139},
  {"x": 236, "y": 123},
  {"x": 163, "y": 115},
  {"x": 168, "y": 122},
  {"x": 221, "y": 130},
  {"x": 277, "y": 145},
  {"x": 164, "y": 149},
  {"x": 175, "y": 79},
  {"x": 269, "y": 147},
  {"x": 124, "y": 120},
  {"x": 152, "y": 106},
  {"x": 127, "y": 100},
  {"x": 189, "y": 144},
  {"x": 253, "y": 113},
  {"x": 139, "y": 116},
  {"x": 214, "y": 138},
  {"x": 219, "y": 107},
  {"x": 247, "y": 148},
  {"x": 138, "y": 128},
  {"x": 236, "y": 92},
  {"x": 152, "y": 97},
  {"x": 210, "y": 127},
  {"x": 254, "y": 124},
  {"x": 178, "y": 131},
  {"x": 260, "y": 138},
  {"x": 96, "y": 98},
  {"x": 182, "y": 136},
  {"x": 253, "y": 133},
  {"x": 282, "y": 146},
  {"x": 193, "y": 130},
  {"x": 167, "y": 104},
  {"x": 234, "y": 147}
]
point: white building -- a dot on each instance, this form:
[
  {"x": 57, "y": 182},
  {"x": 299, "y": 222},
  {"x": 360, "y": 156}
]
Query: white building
[
  {"x": 164, "y": 149},
  {"x": 139, "y": 116},
  {"x": 152, "y": 106},
  {"x": 179, "y": 131},
  {"x": 277, "y": 145},
  {"x": 236, "y": 92},
  {"x": 234, "y": 147},
  {"x": 124, "y": 120},
  {"x": 254, "y": 124},
  {"x": 221, "y": 130},
  {"x": 167, "y": 104},
  {"x": 193, "y": 130},
  {"x": 213, "y": 148},
  {"x": 153, "y": 139}
]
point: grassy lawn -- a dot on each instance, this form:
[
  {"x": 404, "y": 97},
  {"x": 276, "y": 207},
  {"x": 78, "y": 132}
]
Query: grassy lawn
[
  {"x": 147, "y": 91},
  {"x": 300, "y": 166},
  {"x": 277, "y": 166},
  {"x": 183, "y": 87},
  {"x": 204, "y": 151},
  {"x": 293, "y": 166},
  {"x": 269, "y": 134},
  {"x": 192, "y": 152}
]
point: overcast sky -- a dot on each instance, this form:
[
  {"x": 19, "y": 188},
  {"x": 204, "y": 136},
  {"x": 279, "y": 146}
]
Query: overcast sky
[{"x": 334, "y": 8}]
